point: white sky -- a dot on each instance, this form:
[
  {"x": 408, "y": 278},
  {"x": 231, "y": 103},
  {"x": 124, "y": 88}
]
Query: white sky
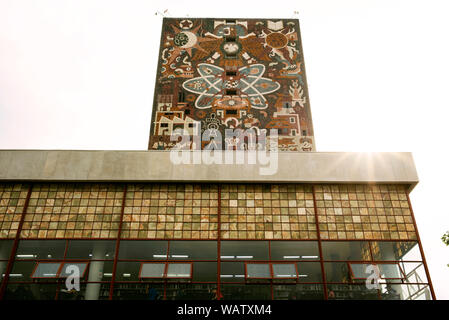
[{"x": 80, "y": 75}]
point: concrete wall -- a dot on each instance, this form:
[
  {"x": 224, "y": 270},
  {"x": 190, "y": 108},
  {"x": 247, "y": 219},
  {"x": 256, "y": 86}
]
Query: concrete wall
[{"x": 147, "y": 166}]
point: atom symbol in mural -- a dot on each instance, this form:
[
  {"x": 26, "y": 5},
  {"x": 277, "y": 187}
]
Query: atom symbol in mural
[{"x": 211, "y": 85}]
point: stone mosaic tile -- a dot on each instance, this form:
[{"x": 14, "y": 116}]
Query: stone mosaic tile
[
  {"x": 12, "y": 201},
  {"x": 171, "y": 211},
  {"x": 364, "y": 212},
  {"x": 267, "y": 212},
  {"x": 73, "y": 211}
]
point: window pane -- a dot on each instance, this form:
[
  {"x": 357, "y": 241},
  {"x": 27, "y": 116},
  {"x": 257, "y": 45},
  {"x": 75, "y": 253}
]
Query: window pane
[
  {"x": 244, "y": 250},
  {"x": 145, "y": 250},
  {"x": 294, "y": 250},
  {"x": 411, "y": 252},
  {"x": 309, "y": 272},
  {"x": 21, "y": 271},
  {"x": 405, "y": 292},
  {"x": 198, "y": 250},
  {"x": 127, "y": 271},
  {"x": 337, "y": 272},
  {"x": 5, "y": 251},
  {"x": 46, "y": 270},
  {"x": 390, "y": 271},
  {"x": 91, "y": 249},
  {"x": 362, "y": 270},
  {"x": 258, "y": 270},
  {"x": 284, "y": 270},
  {"x": 179, "y": 270},
  {"x": 232, "y": 272},
  {"x": 395, "y": 251},
  {"x": 346, "y": 250},
  {"x": 205, "y": 271},
  {"x": 414, "y": 272},
  {"x": 41, "y": 249},
  {"x": 152, "y": 270},
  {"x": 100, "y": 271},
  {"x": 69, "y": 268}
]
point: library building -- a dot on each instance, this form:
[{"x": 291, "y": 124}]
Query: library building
[{"x": 144, "y": 225}]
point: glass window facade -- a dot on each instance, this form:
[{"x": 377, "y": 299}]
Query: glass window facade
[{"x": 210, "y": 241}]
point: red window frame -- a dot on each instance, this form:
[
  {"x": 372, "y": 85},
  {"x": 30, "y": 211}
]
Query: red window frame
[
  {"x": 376, "y": 264},
  {"x": 58, "y": 272},
  {"x": 296, "y": 270},
  {"x": 270, "y": 266},
  {"x": 164, "y": 276},
  {"x": 73, "y": 262},
  {"x": 191, "y": 270},
  {"x": 253, "y": 278},
  {"x": 46, "y": 262},
  {"x": 140, "y": 270}
]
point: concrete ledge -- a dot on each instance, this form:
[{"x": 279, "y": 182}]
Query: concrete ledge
[{"x": 147, "y": 166}]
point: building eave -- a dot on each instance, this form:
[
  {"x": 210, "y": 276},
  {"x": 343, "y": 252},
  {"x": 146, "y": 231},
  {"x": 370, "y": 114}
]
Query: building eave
[{"x": 156, "y": 166}]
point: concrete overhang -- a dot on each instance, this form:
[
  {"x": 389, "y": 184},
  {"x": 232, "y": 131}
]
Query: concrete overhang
[{"x": 158, "y": 166}]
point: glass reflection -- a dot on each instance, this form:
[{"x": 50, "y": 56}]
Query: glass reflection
[
  {"x": 405, "y": 292},
  {"x": 143, "y": 250},
  {"x": 91, "y": 249},
  {"x": 244, "y": 250},
  {"x": 294, "y": 250},
  {"x": 395, "y": 251},
  {"x": 41, "y": 249},
  {"x": 5, "y": 251},
  {"x": 346, "y": 250},
  {"x": 188, "y": 250}
]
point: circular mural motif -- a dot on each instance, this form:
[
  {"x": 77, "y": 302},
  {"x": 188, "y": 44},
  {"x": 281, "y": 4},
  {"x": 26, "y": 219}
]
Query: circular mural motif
[
  {"x": 210, "y": 85},
  {"x": 185, "y": 39},
  {"x": 277, "y": 40},
  {"x": 181, "y": 39},
  {"x": 186, "y": 24}
]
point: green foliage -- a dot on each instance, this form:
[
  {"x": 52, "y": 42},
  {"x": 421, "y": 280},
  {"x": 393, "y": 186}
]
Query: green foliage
[{"x": 445, "y": 238}]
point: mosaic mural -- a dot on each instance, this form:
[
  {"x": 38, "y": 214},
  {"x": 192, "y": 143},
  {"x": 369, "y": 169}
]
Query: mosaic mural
[
  {"x": 206, "y": 211},
  {"x": 219, "y": 74}
]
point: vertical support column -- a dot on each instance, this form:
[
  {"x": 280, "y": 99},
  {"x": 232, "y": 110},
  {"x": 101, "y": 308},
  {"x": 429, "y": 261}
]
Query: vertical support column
[
  {"x": 323, "y": 275},
  {"x": 166, "y": 269},
  {"x": 271, "y": 268},
  {"x": 421, "y": 249},
  {"x": 117, "y": 244},
  {"x": 15, "y": 245},
  {"x": 219, "y": 244},
  {"x": 95, "y": 272}
]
